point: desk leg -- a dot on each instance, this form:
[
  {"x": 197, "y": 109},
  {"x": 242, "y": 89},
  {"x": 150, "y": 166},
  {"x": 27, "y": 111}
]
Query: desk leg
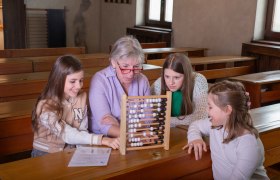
[{"x": 255, "y": 93}]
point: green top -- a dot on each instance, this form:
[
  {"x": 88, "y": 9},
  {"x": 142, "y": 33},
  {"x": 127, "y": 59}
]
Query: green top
[{"x": 176, "y": 103}]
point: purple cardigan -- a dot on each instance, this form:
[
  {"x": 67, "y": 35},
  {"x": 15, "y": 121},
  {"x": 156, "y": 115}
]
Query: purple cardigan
[{"x": 105, "y": 95}]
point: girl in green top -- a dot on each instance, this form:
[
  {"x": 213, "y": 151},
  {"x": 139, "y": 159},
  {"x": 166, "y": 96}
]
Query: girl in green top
[{"x": 189, "y": 89}]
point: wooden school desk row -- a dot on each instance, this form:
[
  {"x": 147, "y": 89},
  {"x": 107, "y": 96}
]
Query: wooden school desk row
[
  {"x": 215, "y": 67},
  {"x": 29, "y": 85},
  {"x": 263, "y": 87},
  {"x": 44, "y": 63},
  {"x": 31, "y": 52},
  {"x": 149, "y": 163}
]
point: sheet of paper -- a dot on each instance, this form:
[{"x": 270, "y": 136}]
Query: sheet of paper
[{"x": 90, "y": 156}]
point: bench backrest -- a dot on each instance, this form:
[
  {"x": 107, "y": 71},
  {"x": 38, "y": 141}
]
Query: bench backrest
[
  {"x": 15, "y": 66},
  {"x": 153, "y": 45},
  {"x": 33, "y": 52}
]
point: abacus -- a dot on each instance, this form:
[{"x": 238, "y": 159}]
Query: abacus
[{"x": 145, "y": 122}]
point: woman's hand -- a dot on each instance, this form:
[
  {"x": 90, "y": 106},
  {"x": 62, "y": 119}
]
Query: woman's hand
[
  {"x": 111, "y": 142},
  {"x": 196, "y": 145}
]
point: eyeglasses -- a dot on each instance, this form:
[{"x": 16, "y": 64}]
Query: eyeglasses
[{"x": 126, "y": 71}]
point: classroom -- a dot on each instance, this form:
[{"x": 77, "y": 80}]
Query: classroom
[{"x": 238, "y": 41}]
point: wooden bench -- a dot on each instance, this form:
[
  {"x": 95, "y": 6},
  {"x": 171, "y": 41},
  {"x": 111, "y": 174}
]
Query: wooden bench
[
  {"x": 31, "y": 52},
  {"x": 264, "y": 87},
  {"x": 15, "y": 65},
  {"x": 144, "y": 164},
  {"x": 16, "y": 134},
  {"x": 41, "y": 64},
  {"x": 215, "y": 67}
]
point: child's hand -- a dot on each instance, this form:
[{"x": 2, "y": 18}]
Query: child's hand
[
  {"x": 111, "y": 142},
  {"x": 197, "y": 146},
  {"x": 110, "y": 120}
]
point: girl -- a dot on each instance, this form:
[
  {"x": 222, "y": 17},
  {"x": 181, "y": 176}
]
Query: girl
[
  {"x": 60, "y": 114},
  {"x": 236, "y": 150},
  {"x": 189, "y": 89}
]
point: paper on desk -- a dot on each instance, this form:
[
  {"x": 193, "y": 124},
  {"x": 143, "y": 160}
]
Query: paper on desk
[{"x": 90, "y": 156}]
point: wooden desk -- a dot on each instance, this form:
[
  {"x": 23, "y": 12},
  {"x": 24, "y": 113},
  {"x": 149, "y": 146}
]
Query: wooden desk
[
  {"x": 268, "y": 56},
  {"x": 31, "y": 52},
  {"x": 148, "y": 164},
  {"x": 29, "y": 85},
  {"x": 190, "y": 51},
  {"x": 263, "y": 87},
  {"x": 15, "y": 65},
  {"x": 267, "y": 120},
  {"x": 215, "y": 67},
  {"x": 42, "y": 64},
  {"x": 16, "y": 133}
]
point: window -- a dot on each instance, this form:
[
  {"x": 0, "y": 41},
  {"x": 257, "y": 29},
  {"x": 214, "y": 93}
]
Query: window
[
  {"x": 159, "y": 13},
  {"x": 272, "y": 27}
]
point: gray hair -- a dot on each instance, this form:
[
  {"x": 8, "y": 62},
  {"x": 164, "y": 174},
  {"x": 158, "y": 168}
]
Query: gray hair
[{"x": 127, "y": 46}]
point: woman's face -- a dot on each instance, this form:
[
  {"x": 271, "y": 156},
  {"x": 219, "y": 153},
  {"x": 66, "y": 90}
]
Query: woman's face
[
  {"x": 173, "y": 79},
  {"x": 126, "y": 68},
  {"x": 73, "y": 84}
]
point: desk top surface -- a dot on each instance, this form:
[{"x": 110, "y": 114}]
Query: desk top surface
[
  {"x": 79, "y": 56},
  {"x": 266, "y": 118},
  {"x": 219, "y": 59},
  {"x": 171, "y": 50},
  {"x": 55, "y": 165},
  {"x": 260, "y": 78}
]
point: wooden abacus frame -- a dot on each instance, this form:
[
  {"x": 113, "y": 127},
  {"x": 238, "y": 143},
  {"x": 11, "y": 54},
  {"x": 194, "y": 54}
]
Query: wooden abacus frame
[{"x": 124, "y": 118}]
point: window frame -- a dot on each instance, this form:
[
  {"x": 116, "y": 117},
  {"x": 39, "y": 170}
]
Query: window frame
[
  {"x": 161, "y": 23},
  {"x": 269, "y": 34}
]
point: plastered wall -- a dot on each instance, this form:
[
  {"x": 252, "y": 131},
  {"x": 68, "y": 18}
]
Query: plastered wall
[{"x": 220, "y": 25}]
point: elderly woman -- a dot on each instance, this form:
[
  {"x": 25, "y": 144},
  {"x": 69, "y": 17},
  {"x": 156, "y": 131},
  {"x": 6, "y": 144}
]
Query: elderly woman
[{"x": 123, "y": 76}]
